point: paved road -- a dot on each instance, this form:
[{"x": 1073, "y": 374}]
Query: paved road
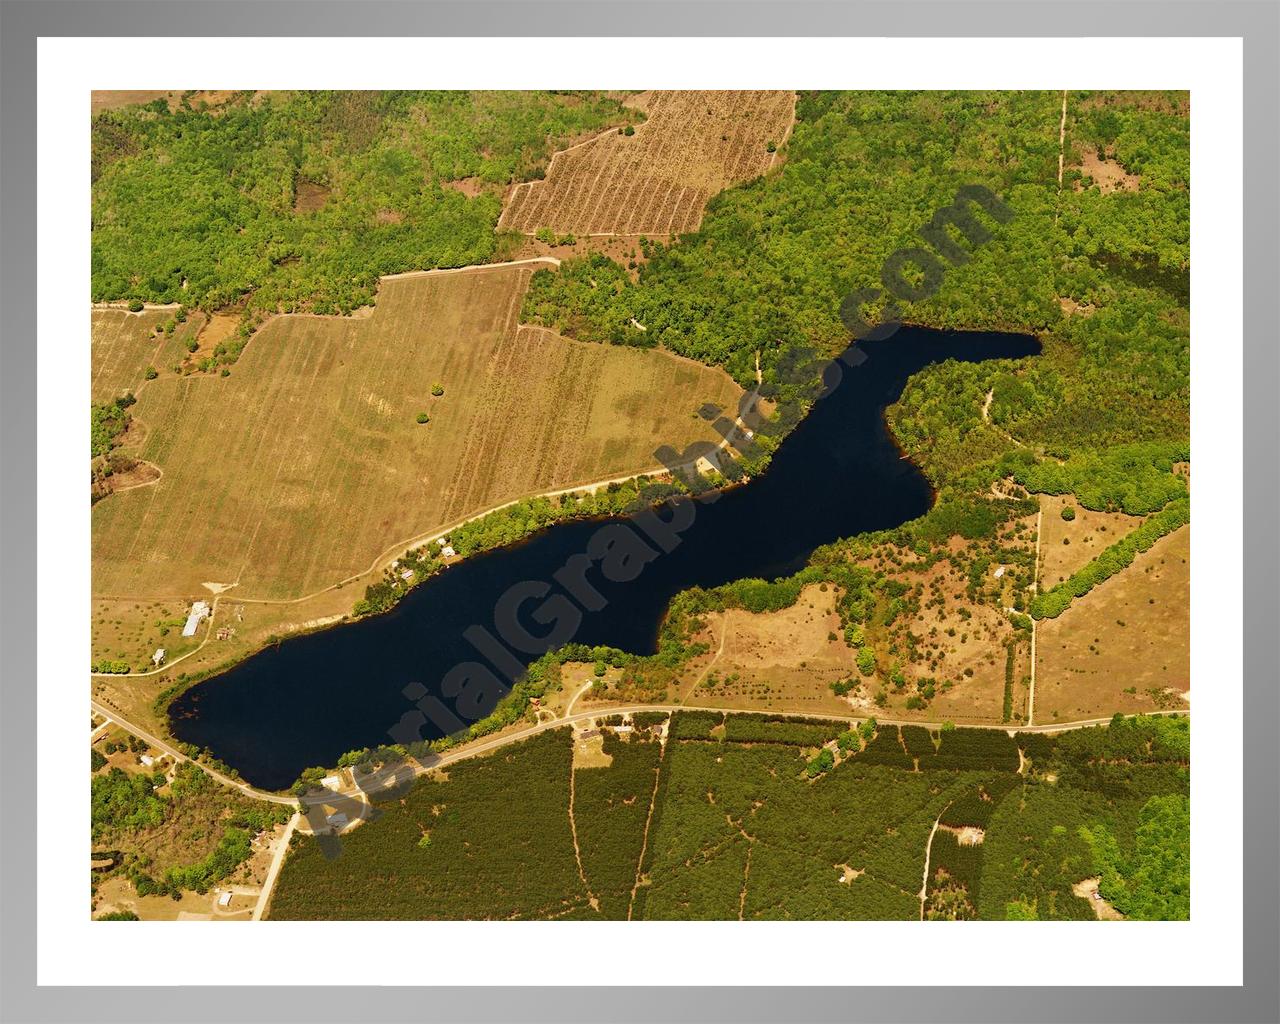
[
  {"x": 177, "y": 755},
  {"x": 387, "y": 776},
  {"x": 273, "y": 872},
  {"x": 384, "y": 777}
]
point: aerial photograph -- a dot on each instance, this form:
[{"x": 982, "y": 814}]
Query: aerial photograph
[{"x": 640, "y": 505}]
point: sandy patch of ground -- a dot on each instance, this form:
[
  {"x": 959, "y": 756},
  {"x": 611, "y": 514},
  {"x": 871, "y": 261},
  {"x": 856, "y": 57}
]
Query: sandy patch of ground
[
  {"x": 220, "y": 327},
  {"x": 967, "y": 835},
  {"x": 1124, "y": 646},
  {"x": 1107, "y": 174},
  {"x": 1102, "y": 910},
  {"x": 848, "y": 874},
  {"x": 126, "y": 473},
  {"x": 469, "y": 187},
  {"x": 1070, "y": 307}
]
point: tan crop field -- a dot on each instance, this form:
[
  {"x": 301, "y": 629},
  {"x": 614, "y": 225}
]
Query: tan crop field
[
  {"x": 307, "y": 463},
  {"x": 657, "y": 181},
  {"x": 124, "y": 344},
  {"x": 1124, "y": 646}
]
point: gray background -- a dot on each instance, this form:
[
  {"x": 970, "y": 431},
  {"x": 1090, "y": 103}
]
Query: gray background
[{"x": 21, "y": 23}]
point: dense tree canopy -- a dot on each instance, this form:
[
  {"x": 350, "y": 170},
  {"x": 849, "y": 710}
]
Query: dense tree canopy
[
  {"x": 301, "y": 200},
  {"x": 1102, "y": 277}
]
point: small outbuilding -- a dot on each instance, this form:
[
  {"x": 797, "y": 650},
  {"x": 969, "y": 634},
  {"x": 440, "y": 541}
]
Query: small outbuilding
[{"x": 157, "y": 659}]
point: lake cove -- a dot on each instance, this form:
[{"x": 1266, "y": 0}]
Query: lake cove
[{"x": 309, "y": 700}]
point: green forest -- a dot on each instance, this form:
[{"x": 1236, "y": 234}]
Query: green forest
[
  {"x": 740, "y": 828},
  {"x": 168, "y": 837},
  {"x": 1102, "y": 278},
  {"x": 300, "y": 201}
]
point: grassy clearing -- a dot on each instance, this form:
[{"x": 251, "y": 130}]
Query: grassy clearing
[
  {"x": 1125, "y": 646},
  {"x": 1066, "y": 545},
  {"x": 1111, "y": 560},
  {"x": 306, "y": 463},
  {"x": 927, "y": 634}
]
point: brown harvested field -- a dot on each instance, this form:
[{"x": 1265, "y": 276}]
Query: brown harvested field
[
  {"x": 657, "y": 181},
  {"x": 1122, "y": 645},
  {"x": 784, "y": 660},
  {"x": 124, "y": 344},
  {"x": 1085, "y": 536},
  {"x": 306, "y": 463},
  {"x": 110, "y": 99}
]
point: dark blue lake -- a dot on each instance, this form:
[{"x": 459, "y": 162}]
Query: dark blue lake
[{"x": 309, "y": 700}]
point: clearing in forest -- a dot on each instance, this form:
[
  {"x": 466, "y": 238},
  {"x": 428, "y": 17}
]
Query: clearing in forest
[
  {"x": 656, "y": 181},
  {"x": 780, "y": 661},
  {"x": 308, "y": 461},
  {"x": 1068, "y": 545},
  {"x": 1124, "y": 646}
]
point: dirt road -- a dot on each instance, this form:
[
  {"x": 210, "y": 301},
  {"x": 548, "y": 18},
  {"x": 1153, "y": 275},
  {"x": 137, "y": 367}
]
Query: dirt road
[{"x": 273, "y": 872}]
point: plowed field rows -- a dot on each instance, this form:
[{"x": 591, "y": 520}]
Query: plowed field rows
[
  {"x": 657, "y": 181},
  {"x": 307, "y": 462}
]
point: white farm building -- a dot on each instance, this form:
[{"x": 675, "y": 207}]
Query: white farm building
[{"x": 199, "y": 612}]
